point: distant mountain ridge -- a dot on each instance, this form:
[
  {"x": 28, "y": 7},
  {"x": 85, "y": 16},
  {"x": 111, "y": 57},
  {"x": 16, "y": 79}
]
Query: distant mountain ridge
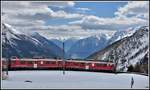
[
  {"x": 84, "y": 47},
  {"x": 81, "y": 48}
]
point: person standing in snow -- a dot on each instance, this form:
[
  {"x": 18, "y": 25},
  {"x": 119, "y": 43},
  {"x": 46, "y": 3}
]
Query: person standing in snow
[{"x": 132, "y": 82}]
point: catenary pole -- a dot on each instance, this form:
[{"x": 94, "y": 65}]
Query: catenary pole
[{"x": 63, "y": 58}]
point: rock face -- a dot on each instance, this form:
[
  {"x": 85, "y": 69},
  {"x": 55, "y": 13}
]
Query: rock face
[
  {"x": 128, "y": 51},
  {"x": 27, "y": 46}
]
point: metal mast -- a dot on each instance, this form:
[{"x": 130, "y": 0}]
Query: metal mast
[{"x": 64, "y": 57}]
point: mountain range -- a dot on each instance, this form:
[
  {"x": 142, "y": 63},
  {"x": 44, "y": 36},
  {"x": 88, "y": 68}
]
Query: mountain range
[
  {"x": 82, "y": 48},
  {"x": 125, "y": 48},
  {"x": 127, "y": 51},
  {"x": 74, "y": 47},
  {"x": 18, "y": 44}
]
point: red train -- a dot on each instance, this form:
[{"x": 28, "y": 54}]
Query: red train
[{"x": 58, "y": 64}]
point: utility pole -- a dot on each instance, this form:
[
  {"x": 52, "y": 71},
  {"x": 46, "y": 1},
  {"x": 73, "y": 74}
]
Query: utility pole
[{"x": 64, "y": 57}]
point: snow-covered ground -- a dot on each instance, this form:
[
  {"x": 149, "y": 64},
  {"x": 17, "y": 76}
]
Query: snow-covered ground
[{"x": 73, "y": 79}]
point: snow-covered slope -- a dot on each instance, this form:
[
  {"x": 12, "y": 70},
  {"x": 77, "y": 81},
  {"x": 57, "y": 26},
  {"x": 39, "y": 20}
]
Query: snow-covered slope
[
  {"x": 53, "y": 48},
  {"x": 9, "y": 32},
  {"x": 73, "y": 80},
  {"x": 21, "y": 45},
  {"x": 87, "y": 46},
  {"x": 127, "y": 51},
  {"x": 121, "y": 34}
]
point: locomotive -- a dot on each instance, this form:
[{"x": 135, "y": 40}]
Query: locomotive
[{"x": 69, "y": 64}]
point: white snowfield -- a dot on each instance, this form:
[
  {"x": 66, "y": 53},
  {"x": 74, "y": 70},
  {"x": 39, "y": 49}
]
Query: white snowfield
[{"x": 73, "y": 80}]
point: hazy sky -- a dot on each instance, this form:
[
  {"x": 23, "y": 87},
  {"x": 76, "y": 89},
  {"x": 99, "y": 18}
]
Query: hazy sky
[{"x": 74, "y": 19}]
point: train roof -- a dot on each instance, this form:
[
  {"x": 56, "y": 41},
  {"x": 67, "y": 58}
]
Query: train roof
[
  {"x": 27, "y": 59},
  {"x": 74, "y": 60}
]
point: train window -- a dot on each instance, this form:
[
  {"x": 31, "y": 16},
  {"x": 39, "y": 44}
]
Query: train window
[
  {"x": 47, "y": 62},
  {"x": 22, "y": 62},
  {"x": 82, "y": 63},
  {"x": 13, "y": 62},
  {"x": 75, "y": 63},
  {"x": 53, "y": 63},
  {"x": 98, "y": 64},
  {"x": 104, "y": 65},
  {"x": 30, "y": 62},
  {"x": 59, "y": 62}
]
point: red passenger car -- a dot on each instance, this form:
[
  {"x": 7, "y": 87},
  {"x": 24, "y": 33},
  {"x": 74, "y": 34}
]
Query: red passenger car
[{"x": 58, "y": 64}]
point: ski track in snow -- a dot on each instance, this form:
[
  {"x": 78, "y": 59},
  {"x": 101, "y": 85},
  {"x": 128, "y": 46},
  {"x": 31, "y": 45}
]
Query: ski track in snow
[{"x": 72, "y": 79}]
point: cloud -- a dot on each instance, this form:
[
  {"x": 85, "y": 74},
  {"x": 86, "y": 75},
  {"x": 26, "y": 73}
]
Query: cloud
[
  {"x": 60, "y": 4},
  {"x": 93, "y": 22},
  {"x": 67, "y": 31},
  {"x": 131, "y": 15},
  {"x": 134, "y": 8},
  {"x": 63, "y": 14},
  {"x": 84, "y": 9},
  {"x": 33, "y": 8},
  {"x": 31, "y": 16}
]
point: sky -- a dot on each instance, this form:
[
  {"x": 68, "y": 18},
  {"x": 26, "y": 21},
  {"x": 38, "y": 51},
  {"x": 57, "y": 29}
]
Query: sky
[{"x": 67, "y": 19}]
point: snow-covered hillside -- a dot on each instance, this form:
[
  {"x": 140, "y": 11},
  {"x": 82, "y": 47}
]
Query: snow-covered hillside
[
  {"x": 73, "y": 80},
  {"x": 21, "y": 45},
  {"x": 121, "y": 34},
  {"x": 127, "y": 51}
]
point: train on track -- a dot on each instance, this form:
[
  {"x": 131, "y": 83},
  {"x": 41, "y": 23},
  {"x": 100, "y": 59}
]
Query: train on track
[{"x": 16, "y": 63}]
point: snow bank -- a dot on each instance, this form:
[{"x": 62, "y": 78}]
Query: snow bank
[{"x": 72, "y": 79}]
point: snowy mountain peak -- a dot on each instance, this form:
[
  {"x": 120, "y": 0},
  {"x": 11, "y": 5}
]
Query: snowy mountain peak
[
  {"x": 99, "y": 36},
  {"x": 121, "y": 34},
  {"x": 63, "y": 39},
  {"x": 9, "y": 32},
  {"x": 9, "y": 28},
  {"x": 35, "y": 34}
]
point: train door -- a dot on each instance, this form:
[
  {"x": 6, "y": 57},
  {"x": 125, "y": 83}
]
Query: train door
[
  {"x": 40, "y": 63},
  {"x": 56, "y": 62},
  {"x": 17, "y": 60},
  {"x": 92, "y": 66},
  {"x": 35, "y": 64},
  {"x": 87, "y": 66}
]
